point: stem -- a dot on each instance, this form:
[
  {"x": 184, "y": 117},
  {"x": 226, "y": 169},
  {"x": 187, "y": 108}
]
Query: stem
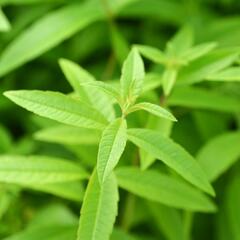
[{"x": 187, "y": 224}]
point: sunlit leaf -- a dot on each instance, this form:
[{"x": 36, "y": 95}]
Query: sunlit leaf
[{"x": 171, "y": 154}]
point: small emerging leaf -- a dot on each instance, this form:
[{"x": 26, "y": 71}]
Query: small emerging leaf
[
  {"x": 152, "y": 53},
  {"x": 132, "y": 77}
]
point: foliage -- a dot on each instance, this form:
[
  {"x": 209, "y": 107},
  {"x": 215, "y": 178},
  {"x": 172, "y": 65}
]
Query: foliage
[{"x": 146, "y": 143}]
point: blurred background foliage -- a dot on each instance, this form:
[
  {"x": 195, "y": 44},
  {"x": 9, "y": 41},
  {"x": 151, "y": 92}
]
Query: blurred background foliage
[{"x": 97, "y": 34}]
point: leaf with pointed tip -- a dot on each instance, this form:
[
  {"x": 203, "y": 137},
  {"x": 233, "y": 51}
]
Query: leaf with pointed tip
[
  {"x": 151, "y": 53},
  {"x": 111, "y": 147},
  {"x": 80, "y": 80},
  {"x": 218, "y": 154},
  {"x": 199, "y": 98},
  {"x": 4, "y": 23},
  {"x": 132, "y": 77},
  {"x": 208, "y": 64},
  {"x": 59, "y": 107},
  {"x": 38, "y": 169},
  {"x": 68, "y": 135},
  {"x": 169, "y": 79},
  {"x": 99, "y": 209},
  {"x": 153, "y": 109},
  {"x": 171, "y": 154},
  {"x": 228, "y": 75},
  {"x": 162, "y": 188},
  {"x": 180, "y": 42},
  {"x": 119, "y": 44},
  {"x": 198, "y": 51},
  {"x": 48, "y": 32},
  {"x": 110, "y": 90}
]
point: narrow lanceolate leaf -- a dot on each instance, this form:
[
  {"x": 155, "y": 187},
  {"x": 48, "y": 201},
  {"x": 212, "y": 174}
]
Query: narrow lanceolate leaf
[
  {"x": 47, "y": 32},
  {"x": 171, "y": 154},
  {"x": 99, "y": 209},
  {"x": 219, "y": 154},
  {"x": 198, "y": 51},
  {"x": 106, "y": 88},
  {"x": 228, "y": 75},
  {"x": 208, "y": 64},
  {"x": 132, "y": 77},
  {"x": 4, "y": 23},
  {"x": 119, "y": 44},
  {"x": 200, "y": 98},
  {"x": 152, "y": 54},
  {"x": 168, "y": 80},
  {"x": 154, "y": 109},
  {"x": 164, "y": 189},
  {"x": 69, "y": 190},
  {"x": 180, "y": 42},
  {"x": 69, "y": 135},
  {"x": 81, "y": 82},
  {"x": 59, "y": 107},
  {"x": 38, "y": 169},
  {"x": 111, "y": 147}
]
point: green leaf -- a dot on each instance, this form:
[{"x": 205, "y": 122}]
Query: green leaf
[
  {"x": 59, "y": 107},
  {"x": 119, "y": 44},
  {"x": 68, "y": 190},
  {"x": 219, "y": 154},
  {"x": 171, "y": 154},
  {"x": 165, "y": 218},
  {"x": 111, "y": 147},
  {"x": 48, "y": 32},
  {"x": 68, "y": 135},
  {"x": 119, "y": 234},
  {"x": 161, "y": 125},
  {"x": 153, "y": 109},
  {"x": 38, "y": 169},
  {"x": 168, "y": 79},
  {"x": 132, "y": 77},
  {"x": 153, "y": 54},
  {"x": 213, "y": 62},
  {"x": 199, "y": 98},
  {"x": 4, "y": 23},
  {"x": 99, "y": 209},
  {"x": 106, "y": 88},
  {"x": 52, "y": 232},
  {"x": 162, "y": 188},
  {"x": 198, "y": 51},
  {"x": 81, "y": 81},
  {"x": 180, "y": 42},
  {"x": 229, "y": 74}
]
